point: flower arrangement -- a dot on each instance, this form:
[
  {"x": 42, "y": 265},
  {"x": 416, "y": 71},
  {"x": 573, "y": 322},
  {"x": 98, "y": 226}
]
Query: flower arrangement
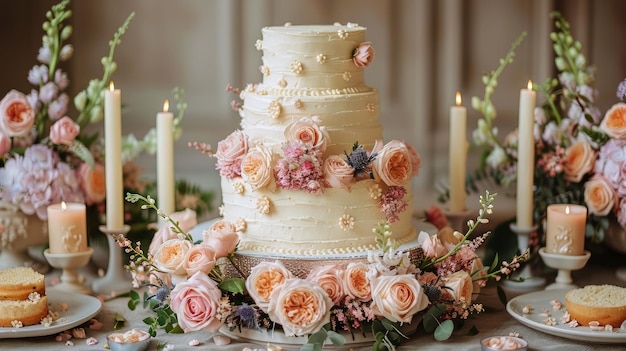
[
  {"x": 574, "y": 146},
  {"x": 189, "y": 290}
]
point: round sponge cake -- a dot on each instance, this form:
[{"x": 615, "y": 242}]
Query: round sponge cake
[
  {"x": 22, "y": 296},
  {"x": 605, "y": 304}
]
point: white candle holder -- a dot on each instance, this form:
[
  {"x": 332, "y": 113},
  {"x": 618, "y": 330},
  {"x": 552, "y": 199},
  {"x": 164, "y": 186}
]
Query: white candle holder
[
  {"x": 565, "y": 265},
  {"x": 117, "y": 280},
  {"x": 458, "y": 220},
  {"x": 529, "y": 282},
  {"x": 69, "y": 262}
]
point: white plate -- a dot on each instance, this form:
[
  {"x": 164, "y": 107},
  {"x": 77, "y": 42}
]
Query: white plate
[
  {"x": 80, "y": 308},
  {"x": 539, "y": 301}
]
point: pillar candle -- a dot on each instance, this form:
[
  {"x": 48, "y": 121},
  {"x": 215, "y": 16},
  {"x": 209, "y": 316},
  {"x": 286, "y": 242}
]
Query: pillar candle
[
  {"x": 67, "y": 227},
  {"x": 525, "y": 157},
  {"x": 565, "y": 231},
  {"x": 113, "y": 158},
  {"x": 165, "y": 160},
  {"x": 457, "y": 156}
]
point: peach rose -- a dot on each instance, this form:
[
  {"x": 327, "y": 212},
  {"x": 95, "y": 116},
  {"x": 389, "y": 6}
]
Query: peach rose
[
  {"x": 196, "y": 303},
  {"x": 431, "y": 245},
  {"x": 392, "y": 164},
  {"x": 330, "y": 278},
  {"x": 230, "y": 153},
  {"x": 300, "y": 306},
  {"x": 256, "y": 167},
  {"x": 199, "y": 258},
  {"x": 461, "y": 284},
  {"x": 309, "y": 132},
  {"x": 416, "y": 159},
  {"x": 337, "y": 172},
  {"x": 170, "y": 257},
  {"x": 64, "y": 131},
  {"x": 614, "y": 122},
  {"x": 356, "y": 284},
  {"x": 600, "y": 196},
  {"x": 436, "y": 217},
  {"x": 263, "y": 279},
  {"x": 222, "y": 237},
  {"x": 579, "y": 160},
  {"x": 92, "y": 182},
  {"x": 397, "y": 297},
  {"x": 186, "y": 219},
  {"x": 363, "y": 55},
  {"x": 16, "y": 115},
  {"x": 5, "y": 143}
]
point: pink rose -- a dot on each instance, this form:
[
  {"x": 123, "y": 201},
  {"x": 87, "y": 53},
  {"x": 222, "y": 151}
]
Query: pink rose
[
  {"x": 461, "y": 284},
  {"x": 199, "y": 258},
  {"x": 256, "y": 167},
  {"x": 614, "y": 122},
  {"x": 436, "y": 217},
  {"x": 363, "y": 55},
  {"x": 263, "y": 279},
  {"x": 301, "y": 307},
  {"x": 222, "y": 237},
  {"x": 92, "y": 182},
  {"x": 397, "y": 297},
  {"x": 416, "y": 159},
  {"x": 330, "y": 278},
  {"x": 579, "y": 160},
  {"x": 186, "y": 219},
  {"x": 64, "y": 131},
  {"x": 356, "y": 283},
  {"x": 170, "y": 256},
  {"x": 16, "y": 115},
  {"x": 392, "y": 164},
  {"x": 196, "y": 303},
  {"x": 5, "y": 143},
  {"x": 600, "y": 197},
  {"x": 337, "y": 172},
  {"x": 230, "y": 153},
  {"x": 431, "y": 245},
  {"x": 308, "y": 131}
]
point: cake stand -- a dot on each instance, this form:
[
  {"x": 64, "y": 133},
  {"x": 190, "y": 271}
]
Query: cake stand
[
  {"x": 116, "y": 281},
  {"x": 69, "y": 262},
  {"x": 530, "y": 282},
  {"x": 565, "y": 265}
]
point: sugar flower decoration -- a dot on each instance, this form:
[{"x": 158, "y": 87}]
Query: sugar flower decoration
[
  {"x": 259, "y": 44},
  {"x": 370, "y": 106},
  {"x": 263, "y": 205},
  {"x": 296, "y": 67},
  {"x": 239, "y": 188},
  {"x": 282, "y": 83},
  {"x": 241, "y": 225},
  {"x": 298, "y": 104},
  {"x": 275, "y": 109},
  {"x": 375, "y": 191},
  {"x": 347, "y": 75},
  {"x": 342, "y": 34},
  {"x": 346, "y": 222},
  {"x": 321, "y": 59},
  {"x": 264, "y": 70}
]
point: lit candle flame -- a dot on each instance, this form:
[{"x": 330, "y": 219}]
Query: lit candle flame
[
  {"x": 458, "y": 98},
  {"x": 567, "y": 210},
  {"x": 111, "y": 86},
  {"x": 530, "y": 84},
  {"x": 63, "y": 206},
  {"x": 166, "y": 105}
]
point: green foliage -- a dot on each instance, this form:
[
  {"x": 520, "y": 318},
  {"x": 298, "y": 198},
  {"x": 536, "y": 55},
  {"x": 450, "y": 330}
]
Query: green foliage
[
  {"x": 315, "y": 342},
  {"x": 233, "y": 285}
]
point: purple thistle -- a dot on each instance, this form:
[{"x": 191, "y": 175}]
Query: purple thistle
[
  {"x": 248, "y": 316},
  {"x": 359, "y": 159},
  {"x": 621, "y": 90}
]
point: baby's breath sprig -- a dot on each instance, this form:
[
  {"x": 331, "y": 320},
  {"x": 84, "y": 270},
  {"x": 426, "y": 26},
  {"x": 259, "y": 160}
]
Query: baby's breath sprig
[
  {"x": 384, "y": 240},
  {"x": 150, "y": 203}
]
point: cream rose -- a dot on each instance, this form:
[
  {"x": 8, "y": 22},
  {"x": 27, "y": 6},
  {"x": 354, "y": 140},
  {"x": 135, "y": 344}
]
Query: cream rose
[
  {"x": 230, "y": 153},
  {"x": 16, "y": 115},
  {"x": 300, "y": 306},
  {"x": 199, "y": 258},
  {"x": 579, "y": 160},
  {"x": 222, "y": 237},
  {"x": 186, "y": 219},
  {"x": 397, "y": 297},
  {"x": 263, "y": 279},
  {"x": 256, "y": 167},
  {"x": 309, "y": 132},
  {"x": 196, "y": 303},
  {"x": 461, "y": 284},
  {"x": 330, "y": 278},
  {"x": 64, "y": 131},
  {"x": 337, "y": 172},
  {"x": 614, "y": 122},
  {"x": 356, "y": 283},
  {"x": 92, "y": 182},
  {"x": 431, "y": 245},
  {"x": 170, "y": 257},
  {"x": 600, "y": 196},
  {"x": 363, "y": 55},
  {"x": 392, "y": 164}
]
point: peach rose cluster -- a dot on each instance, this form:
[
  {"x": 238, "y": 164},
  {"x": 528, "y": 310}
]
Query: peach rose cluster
[
  {"x": 398, "y": 297},
  {"x": 309, "y": 132},
  {"x": 393, "y": 163},
  {"x": 256, "y": 167},
  {"x": 16, "y": 115},
  {"x": 230, "y": 153},
  {"x": 363, "y": 55}
]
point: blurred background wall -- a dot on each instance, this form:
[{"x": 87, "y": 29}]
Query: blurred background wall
[{"x": 426, "y": 50}]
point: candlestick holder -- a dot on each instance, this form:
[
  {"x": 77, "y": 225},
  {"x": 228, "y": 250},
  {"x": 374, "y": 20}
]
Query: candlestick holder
[
  {"x": 69, "y": 262},
  {"x": 565, "y": 265},
  {"x": 117, "y": 280},
  {"x": 529, "y": 282},
  {"x": 458, "y": 220}
]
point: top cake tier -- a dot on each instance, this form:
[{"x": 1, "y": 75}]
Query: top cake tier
[{"x": 317, "y": 58}]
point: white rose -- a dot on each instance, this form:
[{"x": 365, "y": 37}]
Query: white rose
[{"x": 397, "y": 297}]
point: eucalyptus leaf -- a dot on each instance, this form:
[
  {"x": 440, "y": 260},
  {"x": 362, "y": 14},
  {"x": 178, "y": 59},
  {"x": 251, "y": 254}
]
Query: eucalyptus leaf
[
  {"x": 444, "y": 330},
  {"x": 336, "y": 338},
  {"x": 431, "y": 318},
  {"x": 233, "y": 285},
  {"x": 318, "y": 338}
]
